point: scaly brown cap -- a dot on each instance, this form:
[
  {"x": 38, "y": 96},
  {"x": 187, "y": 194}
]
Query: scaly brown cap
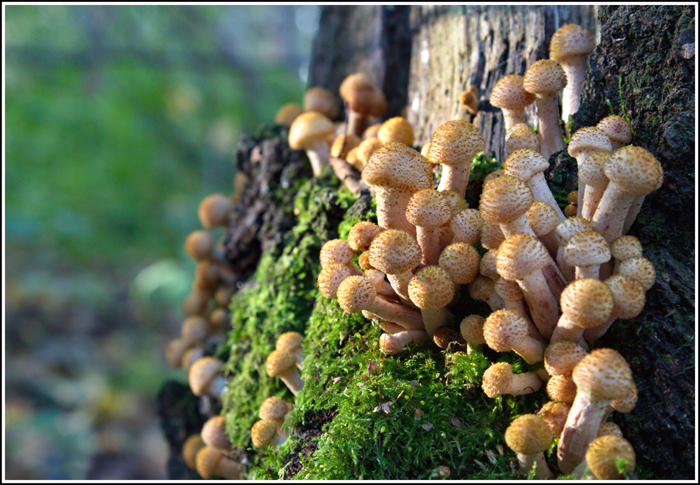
[
  {"x": 455, "y": 142},
  {"x": 640, "y": 269},
  {"x": 528, "y": 435},
  {"x": 587, "y": 248},
  {"x": 497, "y": 379},
  {"x": 504, "y": 329},
  {"x": 274, "y": 408},
  {"x": 202, "y": 373},
  {"x": 520, "y": 255},
  {"x": 289, "y": 341},
  {"x": 213, "y": 210},
  {"x": 505, "y": 199},
  {"x": 573, "y": 225},
  {"x": 336, "y": 251},
  {"x": 330, "y": 278},
  {"x": 592, "y": 170},
  {"x": 635, "y": 170},
  {"x": 214, "y": 433},
  {"x": 488, "y": 264},
  {"x": 543, "y": 77},
  {"x": 394, "y": 252},
  {"x": 308, "y": 128},
  {"x": 605, "y": 373},
  {"x": 616, "y": 128},
  {"x": 427, "y": 208},
  {"x": 522, "y": 136},
  {"x": 472, "y": 329},
  {"x": 491, "y": 235},
  {"x": 628, "y": 295},
  {"x": 431, "y": 288},
  {"x": 366, "y": 148},
  {"x": 554, "y": 414},
  {"x": 190, "y": 448},
  {"x": 262, "y": 433},
  {"x": 400, "y": 167},
  {"x": 456, "y": 202},
  {"x": 279, "y": 361},
  {"x": 361, "y": 235},
  {"x": 396, "y": 129},
  {"x": 561, "y": 357},
  {"x": 589, "y": 138},
  {"x": 542, "y": 217},
  {"x": 608, "y": 427},
  {"x": 466, "y": 226},
  {"x": 525, "y": 164},
  {"x": 626, "y": 247},
  {"x": 322, "y": 101},
  {"x": 356, "y": 293},
  {"x": 461, "y": 261},
  {"x": 343, "y": 144},
  {"x": 207, "y": 462},
  {"x": 508, "y": 290},
  {"x": 509, "y": 93},
  {"x": 561, "y": 388},
  {"x": 604, "y": 454},
  {"x": 360, "y": 92},
  {"x": 570, "y": 40},
  {"x": 587, "y": 302}
]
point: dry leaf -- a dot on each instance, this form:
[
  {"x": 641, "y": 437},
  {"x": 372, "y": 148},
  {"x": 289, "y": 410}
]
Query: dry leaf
[
  {"x": 427, "y": 426},
  {"x": 383, "y": 407},
  {"x": 456, "y": 422},
  {"x": 338, "y": 379}
]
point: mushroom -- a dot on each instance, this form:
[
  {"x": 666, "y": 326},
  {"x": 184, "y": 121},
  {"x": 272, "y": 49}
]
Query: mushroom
[
  {"x": 499, "y": 379},
  {"x": 609, "y": 457},
  {"x": 213, "y": 211},
  {"x": 431, "y": 289},
  {"x": 357, "y": 293},
  {"x": 200, "y": 246},
  {"x": 196, "y": 302},
  {"x": 195, "y": 330},
  {"x": 554, "y": 414},
  {"x": 506, "y": 330},
  {"x": 472, "y": 330},
  {"x": 585, "y": 303},
  {"x": 365, "y": 150},
  {"x": 371, "y": 131},
  {"x": 585, "y": 142},
  {"x": 512, "y": 296},
  {"x": 510, "y": 95},
  {"x": 522, "y": 136},
  {"x": 600, "y": 377},
  {"x": 275, "y": 409},
  {"x": 362, "y": 234},
  {"x": 393, "y": 344},
  {"x": 640, "y": 269},
  {"x": 608, "y": 427},
  {"x": 466, "y": 226},
  {"x": 396, "y": 129},
  {"x": 543, "y": 220},
  {"x": 505, "y": 200},
  {"x": 481, "y": 288},
  {"x": 363, "y": 100},
  {"x": 264, "y": 434},
  {"x": 461, "y": 261},
  {"x": 309, "y": 132},
  {"x": 624, "y": 404},
  {"x": 282, "y": 364},
  {"x": 570, "y": 46},
  {"x": 396, "y": 172},
  {"x": 453, "y": 145},
  {"x": 586, "y": 251},
  {"x": 211, "y": 462},
  {"x": 491, "y": 235},
  {"x": 396, "y": 253},
  {"x": 561, "y": 357},
  {"x": 617, "y": 129},
  {"x": 322, "y": 101},
  {"x": 190, "y": 448},
  {"x": 457, "y": 204},
  {"x": 287, "y": 114},
  {"x": 175, "y": 350},
  {"x": 191, "y": 355},
  {"x": 633, "y": 172},
  {"x": 468, "y": 103},
  {"x": 561, "y": 388},
  {"x": 214, "y": 434},
  {"x": 205, "y": 377},
  {"x": 291, "y": 342},
  {"x": 330, "y": 278},
  {"x": 343, "y": 144},
  {"x": 377, "y": 278},
  {"x": 545, "y": 78},
  {"x": 529, "y": 436},
  {"x": 591, "y": 174},
  {"x": 565, "y": 230},
  {"x": 629, "y": 299},
  {"x": 428, "y": 210},
  {"x": 338, "y": 251}
]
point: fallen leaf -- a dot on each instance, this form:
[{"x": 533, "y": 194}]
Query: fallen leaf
[
  {"x": 456, "y": 422},
  {"x": 338, "y": 379},
  {"x": 427, "y": 426},
  {"x": 383, "y": 407}
]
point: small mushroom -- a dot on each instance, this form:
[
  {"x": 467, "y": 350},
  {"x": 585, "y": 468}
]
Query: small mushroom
[
  {"x": 309, "y": 132},
  {"x": 453, "y": 145},
  {"x": 529, "y": 436},
  {"x": 282, "y": 364},
  {"x": 214, "y": 210},
  {"x": 214, "y": 434},
  {"x": 545, "y": 78},
  {"x": 499, "y": 379},
  {"x": 211, "y": 462}
]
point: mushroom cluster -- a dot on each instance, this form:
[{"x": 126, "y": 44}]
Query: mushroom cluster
[{"x": 554, "y": 282}]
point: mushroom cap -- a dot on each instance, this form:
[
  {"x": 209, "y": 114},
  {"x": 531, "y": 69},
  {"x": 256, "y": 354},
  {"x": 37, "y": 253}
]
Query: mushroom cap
[
  {"x": 604, "y": 373},
  {"x": 190, "y": 447},
  {"x": 587, "y": 302},
  {"x": 544, "y": 77},
  {"x": 626, "y": 403},
  {"x": 365, "y": 265},
  {"x": 528, "y": 435},
  {"x": 472, "y": 329},
  {"x": 570, "y": 40},
  {"x": 608, "y": 427},
  {"x": 214, "y": 210},
  {"x": 394, "y": 252},
  {"x": 289, "y": 341},
  {"x": 520, "y": 255},
  {"x": 491, "y": 235},
  {"x": 573, "y": 225},
  {"x": 592, "y": 170},
  {"x": 488, "y": 264},
  {"x": 522, "y": 136},
  {"x": 604, "y": 453},
  {"x": 461, "y": 261},
  {"x": 343, "y": 144},
  {"x": 390, "y": 344},
  {"x": 505, "y": 199},
  {"x": 400, "y": 167},
  {"x": 626, "y": 247},
  {"x": 525, "y": 164},
  {"x": 336, "y": 251},
  {"x": 504, "y": 329},
  {"x": 508, "y": 290},
  {"x": 469, "y": 98},
  {"x": 561, "y": 357},
  {"x": 279, "y": 362},
  {"x": 554, "y": 414},
  {"x": 199, "y": 244},
  {"x": 194, "y": 329},
  {"x": 362, "y": 234},
  {"x": 640, "y": 269},
  {"x": 371, "y": 131},
  {"x": 274, "y": 408},
  {"x": 616, "y": 128},
  {"x": 288, "y": 113},
  {"x": 588, "y": 138},
  {"x": 587, "y": 248},
  {"x": 175, "y": 350},
  {"x": 356, "y": 293},
  {"x": 561, "y": 388},
  {"x": 214, "y": 433},
  {"x": 635, "y": 170},
  {"x": 456, "y": 202},
  {"x": 497, "y": 379},
  {"x": 262, "y": 433},
  {"x": 207, "y": 461},
  {"x": 493, "y": 175},
  {"x": 431, "y": 288},
  {"x": 366, "y": 148},
  {"x": 360, "y": 92},
  {"x": 466, "y": 226},
  {"x": 509, "y": 93},
  {"x": 330, "y": 278},
  {"x": 542, "y": 217},
  {"x": 202, "y": 373},
  {"x": 322, "y": 101},
  {"x": 481, "y": 287},
  {"x": 628, "y": 295},
  {"x": 308, "y": 128},
  {"x": 427, "y": 208},
  {"x": 396, "y": 129},
  {"x": 456, "y": 142}
]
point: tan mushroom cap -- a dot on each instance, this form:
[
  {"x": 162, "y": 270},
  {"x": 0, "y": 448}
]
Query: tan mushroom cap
[
  {"x": 207, "y": 462},
  {"x": 427, "y": 208},
  {"x": 394, "y": 252},
  {"x": 330, "y": 278},
  {"x": 456, "y": 202},
  {"x": 542, "y": 217},
  {"x": 587, "y": 302},
  {"x": 322, "y": 101},
  {"x": 589, "y": 139},
  {"x": 587, "y": 248},
  {"x": 400, "y": 167},
  {"x": 573, "y": 225},
  {"x": 508, "y": 290},
  {"x": 603, "y": 456},
  {"x": 469, "y": 98},
  {"x": 214, "y": 433},
  {"x": 431, "y": 288},
  {"x": 525, "y": 164},
  {"x": 365, "y": 265},
  {"x": 491, "y": 235},
  {"x": 461, "y": 261},
  {"x": 504, "y": 329},
  {"x": 190, "y": 448},
  {"x": 356, "y": 293},
  {"x": 592, "y": 170},
  {"x": 626, "y": 403},
  {"x": 214, "y": 210},
  {"x": 472, "y": 329},
  {"x": 509, "y": 93},
  {"x": 308, "y": 128},
  {"x": 493, "y": 175},
  {"x": 543, "y": 77},
  {"x": 561, "y": 388},
  {"x": 522, "y": 136},
  {"x": 279, "y": 361},
  {"x": 263, "y": 432},
  {"x": 635, "y": 170},
  {"x": 343, "y": 144},
  {"x": 175, "y": 350},
  {"x": 371, "y": 131},
  {"x": 481, "y": 287},
  {"x": 288, "y": 113},
  {"x": 202, "y": 373},
  {"x": 455, "y": 142},
  {"x": 554, "y": 414},
  {"x": 488, "y": 264},
  {"x": 396, "y": 129},
  {"x": 390, "y": 344},
  {"x": 520, "y": 255},
  {"x": 640, "y": 269},
  {"x": 336, "y": 251},
  {"x": 626, "y": 247},
  {"x": 289, "y": 341},
  {"x": 497, "y": 379},
  {"x": 608, "y": 427},
  {"x": 616, "y": 128},
  {"x": 199, "y": 244},
  {"x": 366, "y": 148},
  {"x": 570, "y": 40},
  {"x": 604, "y": 373},
  {"x": 505, "y": 199},
  {"x": 628, "y": 295},
  {"x": 360, "y": 92},
  {"x": 528, "y": 435},
  {"x": 274, "y": 408},
  {"x": 561, "y": 357},
  {"x": 361, "y": 235},
  {"x": 195, "y": 329},
  {"x": 466, "y": 226}
]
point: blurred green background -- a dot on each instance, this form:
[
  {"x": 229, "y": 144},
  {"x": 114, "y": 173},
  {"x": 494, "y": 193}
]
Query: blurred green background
[{"x": 119, "y": 120}]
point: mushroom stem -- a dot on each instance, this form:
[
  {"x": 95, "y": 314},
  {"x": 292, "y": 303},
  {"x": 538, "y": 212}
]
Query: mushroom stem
[
  {"x": 527, "y": 462},
  {"x": 551, "y": 137},
  {"x": 399, "y": 282},
  {"x": 391, "y": 209},
  {"x": 580, "y": 429},
  {"x": 357, "y": 122},
  {"x": 543, "y": 306},
  {"x": 293, "y": 381},
  {"x": 434, "y": 319},
  {"x": 609, "y": 217},
  {"x": 575, "y": 69},
  {"x": 318, "y": 153},
  {"x": 632, "y": 213},
  {"x": 455, "y": 177},
  {"x": 542, "y": 193},
  {"x": 397, "y": 313},
  {"x": 429, "y": 241}
]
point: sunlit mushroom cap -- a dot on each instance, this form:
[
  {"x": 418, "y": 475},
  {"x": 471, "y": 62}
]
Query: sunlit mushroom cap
[
  {"x": 587, "y": 248},
  {"x": 616, "y": 128},
  {"x": 604, "y": 373},
  {"x": 592, "y": 170},
  {"x": 608, "y": 427},
  {"x": 542, "y": 217},
  {"x": 427, "y": 207},
  {"x": 528, "y": 435},
  {"x": 587, "y": 302},
  {"x": 525, "y": 164},
  {"x": 472, "y": 329},
  {"x": 394, "y": 252},
  {"x": 322, "y": 101},
  {"x": 504, "y": 329},
  {"x": 488, "y": 266},
  {"x": 356, "y": 293},
  {"x": 573, "y": 225},
  {"x": 400, "y": 167},
  {"x": 289, "y": 341},
  {"x": 455, "y": 142},
  {"x": 396, "y": 129},
  {"x": 640, "y": 269},
  {"x": 214, "y": 433},
  {"x": 279, "y": 361},
  {"x": 343, "y": 144},
  {"x": 521, "y": 136},
  {"x": 361, "y": 235},
  {"x": 520, "y": 255},
  {"x": 589, "y": 138},
  {"x": 466, "y": 226},
  {"x": 366, "y": 148},
  {"x": 336, "y": 251},
  {"x": 274, "y": 408},
  {"x": 508, "y": 290},
  {"x": 604, "y": 454},
  {"x": 626, "y": 247},
  {"x": 461, "y": 261},
  {"x": 431, "y": 288},
  {"x": 561, "y": 388},
  {"x": 635, "y": 170},
  {"x": 456, "y": 202},
  {"x": 554, "y": 414},
  {"x": 262, "y": 433},
  {"x": 505, "y": 199},
  {"x": 330, "y": 278},
  {"x": 570, "y": 40},
  {"x": 497, "y": 379},
  {"x": 561, "y": 357},
  {"x": 544, "y": 76},
  {"x": 628, "y": 295},
  {"x": 359, "y": 91},
  {"x": 509, "y": 93},
  {"x": 491, "y": 235},
  {"x": 626, "y": 403},
  {"x": 202, "y": 373},
  {"x": 308, "y": 128}
]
